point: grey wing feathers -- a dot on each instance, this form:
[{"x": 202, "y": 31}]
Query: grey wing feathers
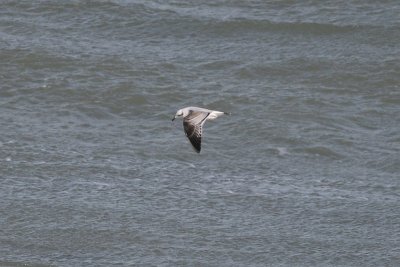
[
  {"x": 193, "y": 133},
  {"x": 192, "y": 125}
]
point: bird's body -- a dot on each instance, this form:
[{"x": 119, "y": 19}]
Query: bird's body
[{"x": 193, "y": 120}]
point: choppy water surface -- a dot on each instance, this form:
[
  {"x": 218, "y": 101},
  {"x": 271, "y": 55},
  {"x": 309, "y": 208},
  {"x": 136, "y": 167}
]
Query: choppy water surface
[{"x": 304, "y": 173}]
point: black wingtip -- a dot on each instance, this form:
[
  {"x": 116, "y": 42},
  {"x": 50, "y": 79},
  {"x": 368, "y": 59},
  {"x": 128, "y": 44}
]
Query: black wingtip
[
  {"x": 196, "y": 144},
  {"x": 227, "y": 113},
  {"x": 196, "y": 147}
]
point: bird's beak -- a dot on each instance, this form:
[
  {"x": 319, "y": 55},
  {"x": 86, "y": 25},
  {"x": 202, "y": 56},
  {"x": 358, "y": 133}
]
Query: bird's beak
[{"x": 173, "y": 118}]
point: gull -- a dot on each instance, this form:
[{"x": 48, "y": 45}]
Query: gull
[{"x": 193, "y": 120}]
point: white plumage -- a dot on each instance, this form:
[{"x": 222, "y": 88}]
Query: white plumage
[{"x": 193, "y": 120}]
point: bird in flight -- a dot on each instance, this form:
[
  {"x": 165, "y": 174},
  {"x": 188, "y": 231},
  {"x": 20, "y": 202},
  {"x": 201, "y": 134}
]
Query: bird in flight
[{"x": 193, "y": 120}]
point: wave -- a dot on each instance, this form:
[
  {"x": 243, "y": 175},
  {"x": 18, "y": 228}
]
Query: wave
[
  {"x": 321, "y": 151},
  {"x": 266, "y": 25}
]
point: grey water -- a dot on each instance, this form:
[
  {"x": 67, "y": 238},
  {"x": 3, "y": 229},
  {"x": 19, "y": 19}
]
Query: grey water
[{"x": 305, "y": 172}]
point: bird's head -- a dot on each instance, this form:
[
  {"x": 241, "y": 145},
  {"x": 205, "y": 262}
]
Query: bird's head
[{"x": 179, "y": 113}]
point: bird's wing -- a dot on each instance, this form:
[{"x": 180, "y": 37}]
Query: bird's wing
[{"x": 193, "y": 126}]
